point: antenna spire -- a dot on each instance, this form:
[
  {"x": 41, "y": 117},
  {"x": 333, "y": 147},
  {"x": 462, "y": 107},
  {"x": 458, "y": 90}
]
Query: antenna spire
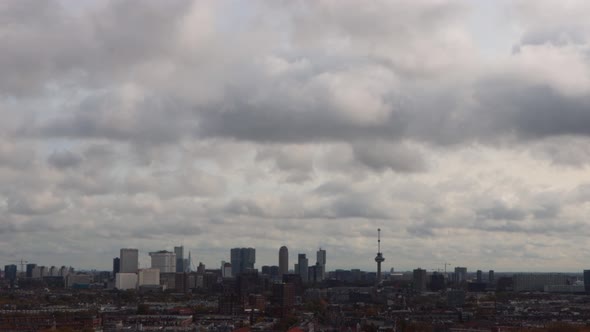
[{"x": 378, "y": 239}]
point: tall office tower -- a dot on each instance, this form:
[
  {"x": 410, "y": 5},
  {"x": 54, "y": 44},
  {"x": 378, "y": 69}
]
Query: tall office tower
[
  {"x": 179, "y": 251},
  {"x": 236, "y": 261},
  {"x": 129, "y": 260},
  {"x": 53, "y": 271},
  {"x": 116, "y": 265},
  {"x": 188, "y": 263},
  {"x": 491, "y": 279},
  {"x": 460, "y": 274},
  {"x": 379, "y": 258},
  {"x": 10, "y": 272},
  {"x": 419, "y": 279},
  {"x": 303, "y": 267},
  {"x": 242, "y": 259},
  {"x": 163, "y": 260},
  {"x": 30, "y": 268},
  {"x": 321, "y": 262},
  {"x": 437, "y": 282},
  {"x": 479, "y": 277},
  {"x": 283, "y": 260},
  {"x": 587, "y": 281}
]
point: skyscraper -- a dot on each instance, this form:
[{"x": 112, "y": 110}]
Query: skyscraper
[
  {"x": 303, "y": 267},
  {"x": 242, "y": 259},
  {"x": 10, "y": 272},
  {"x": 460, "y": 274},
  {"x": 129, "y": 260},
  {"x": 283, "y": 260},
  {"x": 30, "y": 268},
  {"x": 179, "y": 251},
  {"x": 419, "y": 279},
  {"x": 163, "y": 260},
  {"x": 116, "y": 265},
  {"x": 321, "y": 262}
]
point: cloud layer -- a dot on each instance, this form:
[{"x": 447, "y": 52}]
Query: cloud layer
[{"x": 220, "y": 123}]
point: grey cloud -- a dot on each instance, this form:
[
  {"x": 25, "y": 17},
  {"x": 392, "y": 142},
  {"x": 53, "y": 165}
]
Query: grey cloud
[
  {"x": 331, "y": 188},
  {"x": 563, "y": 151},
  {"x": 37, "y": 204},
  {"x": 160, "y": 119},
  {"x": 501, "y": 212},
  {"x": 549, "y": 211},
  {"x": 380, "y": 156},
  {"x": 112, "y": 116},
  {"x": 297, "y": 161},
  {"x": 64, "y": 159},
  {"x": 533, "y": 112}
]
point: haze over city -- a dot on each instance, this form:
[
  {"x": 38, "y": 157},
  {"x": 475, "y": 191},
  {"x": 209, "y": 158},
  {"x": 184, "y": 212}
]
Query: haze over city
[{"x": 460, "y": 128}]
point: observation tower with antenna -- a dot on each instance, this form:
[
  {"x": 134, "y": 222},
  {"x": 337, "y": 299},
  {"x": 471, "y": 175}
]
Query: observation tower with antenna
[{"x": 379, "y": 258}]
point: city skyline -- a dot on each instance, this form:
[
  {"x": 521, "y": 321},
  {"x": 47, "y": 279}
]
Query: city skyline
[
  {"x": 460, "y": 128},
  {"x": 145, "y": 261}
]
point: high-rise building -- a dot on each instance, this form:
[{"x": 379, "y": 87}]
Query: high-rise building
[
  {"x": 64, "y": 271},
  {"x": 419, "y": 279},
  {"x": 179, "y": 251},
  {"x": 125, "y": 281},
  {"x": 283, "y": 260},
  {"x": 303, "y": 267},
  {"x": 479, "y": 276},
  {"x": 148, "y": 277},
  {"x": 129, "y": 260},
  {"x": 460, "y": 274},
  {"x": 242, "y": 259},
  {"x": 321, "y": 263},
  {"x": 164, "y": 260},
  {"x": 225, "y": 269},
  {"x": 38, "y": 272},
  {"x": 30, "y": 267},
  {"x": 116, "y": 265},
  {"x": 10, "y": 272},
  {"x": 437, "y": 282},
  {"x": 491, "y": 279}
]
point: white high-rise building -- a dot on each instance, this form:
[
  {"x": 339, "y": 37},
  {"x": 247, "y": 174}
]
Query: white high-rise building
[
  {"x": 163, "y": 260},
  {"x": 129, "y": 262},
  {"x": 125, "y": 281},
  {"x": 148, "y": 277}
]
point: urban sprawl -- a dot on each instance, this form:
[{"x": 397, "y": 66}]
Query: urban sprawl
[{"x": 171, "y": 295}]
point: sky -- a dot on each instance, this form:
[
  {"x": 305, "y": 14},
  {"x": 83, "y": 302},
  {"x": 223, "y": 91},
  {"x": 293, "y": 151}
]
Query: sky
[{"x": 460, "y": 128}]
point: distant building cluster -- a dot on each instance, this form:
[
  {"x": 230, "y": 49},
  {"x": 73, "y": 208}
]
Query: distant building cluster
[{"x": 270, "y": 295}]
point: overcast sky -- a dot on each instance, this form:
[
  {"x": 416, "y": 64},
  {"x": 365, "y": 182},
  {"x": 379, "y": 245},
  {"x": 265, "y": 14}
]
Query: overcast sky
[{"x": 460, "y": 128}]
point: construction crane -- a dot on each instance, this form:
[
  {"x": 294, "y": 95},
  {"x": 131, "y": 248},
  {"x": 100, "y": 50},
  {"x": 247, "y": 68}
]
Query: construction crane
[{"x": 22, "y": 263}]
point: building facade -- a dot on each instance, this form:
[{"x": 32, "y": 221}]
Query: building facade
[
  {"x": 179, "y": 251},
  {"x": 242, "y": 259},
  {"x": 129, "y": 260},
  {"x": 283, "y": 260},
  {"x": 303, "y": 267},
  {"x": 163, "y": 260},
  {"x": 321, "y": 262}
]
